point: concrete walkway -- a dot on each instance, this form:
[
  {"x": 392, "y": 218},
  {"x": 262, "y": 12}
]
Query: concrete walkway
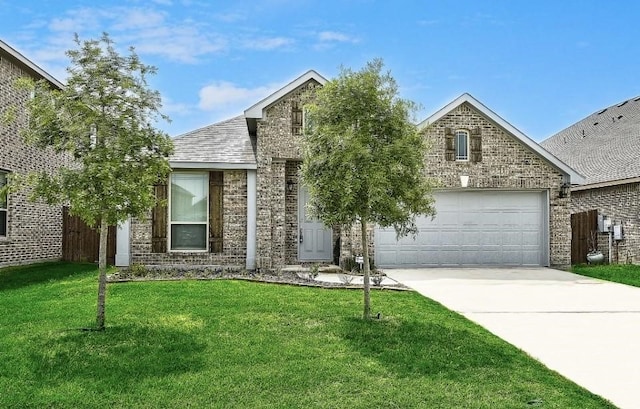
[{"x": 588, "y": 330}]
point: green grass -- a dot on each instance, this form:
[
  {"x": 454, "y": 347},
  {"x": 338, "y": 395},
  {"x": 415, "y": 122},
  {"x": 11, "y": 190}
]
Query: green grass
[
  {"x": 619, "y": 273},
  {"x": 234, "y": 344}
]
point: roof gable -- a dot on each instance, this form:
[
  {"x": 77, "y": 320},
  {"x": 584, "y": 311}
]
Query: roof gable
[
  {"x": 257, "y": 111},
  {"x": 6, "y": 51},
  {"x": 575, "y": 177}
]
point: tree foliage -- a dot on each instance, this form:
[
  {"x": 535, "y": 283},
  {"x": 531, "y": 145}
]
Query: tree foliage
[
  {"x": 364, "y": 158},
  {"x": 103, "y": 120}
]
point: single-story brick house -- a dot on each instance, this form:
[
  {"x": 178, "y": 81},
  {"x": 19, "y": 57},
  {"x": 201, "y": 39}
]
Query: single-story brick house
[
  {"x": 605, "y": 147},
  {"x": 29, "y": 232},
  {"x": 234, "y": 197}
]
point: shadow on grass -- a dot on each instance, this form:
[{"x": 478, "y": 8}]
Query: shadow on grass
[
  {"x": 116, "y": 358},
  {"x": 411, "y": 348},
  {"x": 23, "y": 276}
]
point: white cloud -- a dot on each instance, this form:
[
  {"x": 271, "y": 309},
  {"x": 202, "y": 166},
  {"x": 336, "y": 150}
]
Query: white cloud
[
  {"x": 226, "y": 99},
  {"x": 334, "y": 36},
  {"x": 150, "y": 30},
  {"x": 230, "y": 17},
  {"x": 266, "y": 44},
  {"x": 172, "y": 108},
  {"x": 139, "y": 19},
  {"x": 328, "y": 39}
]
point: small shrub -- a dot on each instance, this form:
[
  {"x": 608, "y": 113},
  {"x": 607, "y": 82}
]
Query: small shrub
[
  {"x": 345, "y": 279},
  {"x": 377, "y": 279},
  {"x": 349, "y": 264},
  {"x": 314, "y": 270},
  {"x": 138, "y": 270}
]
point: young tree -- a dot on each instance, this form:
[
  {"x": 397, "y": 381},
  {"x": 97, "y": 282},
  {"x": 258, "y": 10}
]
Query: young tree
[
  {"x": 363, "y": 158},
  {"x": 103, "y": 119}
]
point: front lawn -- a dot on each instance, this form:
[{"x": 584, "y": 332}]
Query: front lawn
[
  {"x": 235, "y": 344},
  {"x": 619, "y": 273}
]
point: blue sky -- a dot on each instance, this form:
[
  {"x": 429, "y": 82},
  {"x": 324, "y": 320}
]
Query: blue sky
[{"x": 541, "y": 65}]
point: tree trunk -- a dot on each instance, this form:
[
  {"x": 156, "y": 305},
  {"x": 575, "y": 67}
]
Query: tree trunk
[
  {"x": 365, "y": 257},
  {"x": 102, "y": 280}
]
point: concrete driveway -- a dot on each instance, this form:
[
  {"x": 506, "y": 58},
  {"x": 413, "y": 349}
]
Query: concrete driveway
[{"x": 588, "y": 330}]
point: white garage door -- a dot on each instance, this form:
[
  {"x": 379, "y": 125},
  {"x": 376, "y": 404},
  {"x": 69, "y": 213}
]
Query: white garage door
[{"x": 472, "y": 228}]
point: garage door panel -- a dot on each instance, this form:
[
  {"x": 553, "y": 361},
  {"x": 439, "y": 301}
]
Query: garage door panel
[
  {"x": 531, "y": 239},
  {"x": 470, "y": 237},
  {"x": 472, "y": 228},
  {"x": 443, "y": 219},
  {"x": 386, "y": 237},
  {"x": 491, "y": 238}
]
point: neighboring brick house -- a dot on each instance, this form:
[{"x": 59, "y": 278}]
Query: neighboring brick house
[
  {"x": 234, "y": 197},
  {"x": 605, "y": 147},
  {"x": 29, "y": 232}
]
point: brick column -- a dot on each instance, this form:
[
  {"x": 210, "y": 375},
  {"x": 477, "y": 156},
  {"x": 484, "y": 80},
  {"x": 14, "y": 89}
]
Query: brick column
[{"x": 278, "y": 209}]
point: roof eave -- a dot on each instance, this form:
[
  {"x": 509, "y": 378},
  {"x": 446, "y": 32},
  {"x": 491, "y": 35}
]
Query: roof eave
[
  {"x": 212, "y": 165},
  {"x": 257, "y": 110},
  {"x": 574, "y": 177},
  {"x": 608, "y": 183},
  {"x": 29, "y": 65}
]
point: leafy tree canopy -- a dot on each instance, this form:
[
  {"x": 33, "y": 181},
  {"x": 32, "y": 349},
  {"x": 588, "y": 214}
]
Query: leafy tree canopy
[
  {"x": 364, "y": 158},
  {"x": 104, "y": 120}
]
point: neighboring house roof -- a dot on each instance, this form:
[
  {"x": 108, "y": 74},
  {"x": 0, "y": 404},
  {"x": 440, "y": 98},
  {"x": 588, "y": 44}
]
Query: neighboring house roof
[
  {"x": 6, "y": 51},
  {"x": 223, "y": 145},
  {"x": 604, "y": 146},
  {"x": 574, "y": 176}
]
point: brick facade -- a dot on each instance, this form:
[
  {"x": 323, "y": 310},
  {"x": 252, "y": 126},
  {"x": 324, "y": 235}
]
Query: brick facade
[
  {"x": 278, "y": 156},
  {"x": 234, "y": 235},
  {"x": 621, "y": 203},
  {"x": 506, "y": 164},
  {"x": 34, "y": 230}
]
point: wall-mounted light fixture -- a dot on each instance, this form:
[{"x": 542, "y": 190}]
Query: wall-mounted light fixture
[
  {"x": 464, "y": 180},
  {"x": 565, "y": 189},
  {"x": 290, "y": 185}
]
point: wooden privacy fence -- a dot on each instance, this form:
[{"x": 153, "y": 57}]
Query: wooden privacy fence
[
  {"x": 582, "y": 224},
  {"x": 82, "y": 243}
]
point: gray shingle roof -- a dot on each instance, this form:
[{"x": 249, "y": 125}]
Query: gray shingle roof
[
  {"x": 605, "y": 146},
  {"x": 223, "y": 142}
]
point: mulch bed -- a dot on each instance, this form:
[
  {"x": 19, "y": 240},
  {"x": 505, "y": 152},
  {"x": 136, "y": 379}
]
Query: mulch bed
[{"x": 162, "y": 273}]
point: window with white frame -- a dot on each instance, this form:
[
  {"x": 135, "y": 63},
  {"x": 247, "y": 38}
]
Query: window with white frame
[
  {"x": 189, "y": 210},
  {"x": 3, "y": 206},
  {"x": 462, "y": 145}
]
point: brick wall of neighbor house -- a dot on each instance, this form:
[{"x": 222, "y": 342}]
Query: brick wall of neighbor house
[
  {"x": 278, "y": 156},
  {"x": 234, "y": 235},
  {"x": 34, "y": 229},
  {"x": 622, "y": 204},
  {"x": 505, "y": 164}
]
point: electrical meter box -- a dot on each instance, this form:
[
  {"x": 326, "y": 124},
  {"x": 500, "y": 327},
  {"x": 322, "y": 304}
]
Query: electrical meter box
[
  {"x": 617, "y": 232},
  {"x": 604, "y": 224}
]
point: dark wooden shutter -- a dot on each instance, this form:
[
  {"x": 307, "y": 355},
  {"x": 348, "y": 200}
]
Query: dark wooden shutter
[
  {"x": 449, "y": 146},
  {"x": 216, "y": 182},
  {"x": 159, "y": 221},
  {"x": 475, "y": 145},
  {"x": 296, "y": 118}
]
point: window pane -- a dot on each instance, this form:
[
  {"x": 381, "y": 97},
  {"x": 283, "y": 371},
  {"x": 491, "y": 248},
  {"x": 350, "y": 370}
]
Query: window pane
[
  {"x": 189, "y": 197},
  {"x": 188, "y": 237},
  {"x": 461, "y": 145},
  {"x": 3, "y": 198},
  {"x": 3, "y": 222}
]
